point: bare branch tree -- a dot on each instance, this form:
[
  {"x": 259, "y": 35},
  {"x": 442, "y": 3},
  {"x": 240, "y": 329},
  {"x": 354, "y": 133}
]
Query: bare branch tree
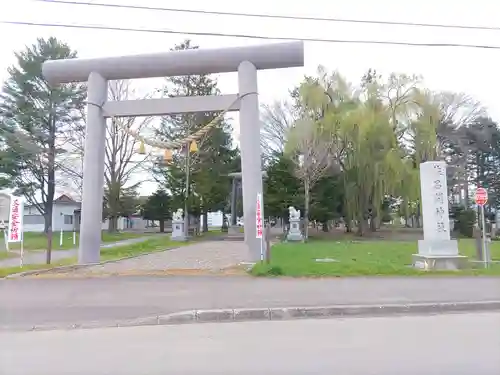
[
  {"x": 276, "y": 120},
  {"x": 459, "y": 109},
  {"x": 458, "y": 113},
  {"x": 311, "y": 150},
  {"x": 122, "y": 161},
  {"x": 70, "y": 163}
]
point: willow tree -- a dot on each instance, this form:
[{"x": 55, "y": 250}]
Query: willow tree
[
  {"x": 313, "y": 142},
  {"x": 408, "y": 191},
  {"x": 365, "y": 145},
  {"x": 372, "y": 162}
]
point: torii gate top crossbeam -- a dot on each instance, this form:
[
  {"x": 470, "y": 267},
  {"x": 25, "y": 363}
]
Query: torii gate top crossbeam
[{"x": 176, "y": 63}]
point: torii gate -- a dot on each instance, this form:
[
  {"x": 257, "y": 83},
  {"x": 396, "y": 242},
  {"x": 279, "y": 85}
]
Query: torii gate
[{"x": 244, "y": 60}]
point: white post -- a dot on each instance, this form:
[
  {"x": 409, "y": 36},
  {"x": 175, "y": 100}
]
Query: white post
[
  {"x": 483, "y": 242},
  {"x": 74, "y": 237},
  {"x": 250, "y": 152},
  {"x": 93, "y": 172},
  {"x": 61, "y": 237},
  {"x": 259, "y": 225},
  {"x": 5, "y": 238},
  {"x": 21, "y": 259}
]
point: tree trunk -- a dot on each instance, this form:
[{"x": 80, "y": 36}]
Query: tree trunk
[
  {"x": 361, "y": 225},
  {"x": 347, "y": 224},
  {"x": 49, "y": 233},
  {"x": 205, "y": 222},
  {"x": 114, "y": 196},
  {"x": 113, "y": 224},
  {"x": 324, "y": 226},
  {"x": 162, "y": 226},
  {"x": 466, "y": 192},
  {"x": 306, "y": 209}
]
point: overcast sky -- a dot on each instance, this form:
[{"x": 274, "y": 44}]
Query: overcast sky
[{"x": 473, "y": 71}]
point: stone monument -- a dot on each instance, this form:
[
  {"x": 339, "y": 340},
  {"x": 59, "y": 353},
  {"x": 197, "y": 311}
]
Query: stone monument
[
  {"x": 178, "y": 225},
  {"x": 294, "y": 233},
  {"x": 436, "y": 250}
]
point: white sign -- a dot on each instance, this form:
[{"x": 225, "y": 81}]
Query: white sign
[
  {"x": 15, "y": 232},
  {"x": 258, "y": 216},
  {"x": 434, "y": 193}
]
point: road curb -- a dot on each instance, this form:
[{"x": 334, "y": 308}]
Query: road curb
[{"x": 289, "y": 313}]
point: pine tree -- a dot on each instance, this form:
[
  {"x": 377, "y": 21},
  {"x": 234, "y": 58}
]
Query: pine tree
[
  {"x": 158, "y": 207},
  {"x": 209, "y": 185},
  {"x": 282, "y": 188},
  {"x": 34, "y": 118}
]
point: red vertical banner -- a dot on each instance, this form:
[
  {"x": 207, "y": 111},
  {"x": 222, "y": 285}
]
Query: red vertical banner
[
  {"x": 15, "y": 231},
  {"x": 258, "y": 216}
]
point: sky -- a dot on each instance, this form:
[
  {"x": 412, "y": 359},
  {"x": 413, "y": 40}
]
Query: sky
[{"x": 472, "y": 71}]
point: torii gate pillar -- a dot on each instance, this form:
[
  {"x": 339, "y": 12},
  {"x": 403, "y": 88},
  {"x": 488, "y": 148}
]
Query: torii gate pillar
[{"x": 244, "y": 60}]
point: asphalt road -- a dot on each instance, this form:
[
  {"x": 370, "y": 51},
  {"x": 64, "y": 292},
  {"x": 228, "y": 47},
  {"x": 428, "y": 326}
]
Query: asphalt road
[
  {"x": 61, "y": 302},
  {"x": 460, "y": 344}
]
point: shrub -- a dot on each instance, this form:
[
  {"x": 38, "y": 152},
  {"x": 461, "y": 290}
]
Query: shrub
[
  {"x": 464, "y": 220},
  {"x": 267, "y": 270}
]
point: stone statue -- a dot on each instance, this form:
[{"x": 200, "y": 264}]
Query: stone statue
[
  {"x": 178, "y": 215},
  {"x": 294, "y": 214},
  {"x": 294, "y": 233}
]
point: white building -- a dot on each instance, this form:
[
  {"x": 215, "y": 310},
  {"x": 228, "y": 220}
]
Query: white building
[
  {"x": 4, "y": 207},
  {"x": 66, "y": 216},
  {"x": 215, "y": 219}
]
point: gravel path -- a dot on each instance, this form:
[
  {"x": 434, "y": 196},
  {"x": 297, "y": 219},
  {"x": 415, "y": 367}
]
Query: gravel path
[
  {"x": 207, "y": 255},
  {"x": 39, "y": 257}
]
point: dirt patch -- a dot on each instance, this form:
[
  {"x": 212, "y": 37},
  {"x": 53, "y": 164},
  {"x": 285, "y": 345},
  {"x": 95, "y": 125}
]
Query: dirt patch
[{"x": 230, "y": 271}]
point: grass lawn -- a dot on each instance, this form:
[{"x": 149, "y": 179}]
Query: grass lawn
[
  {"x": 31, "y": 267},
  {"x": 156, "y": 243},
  {"x": 358, "y": 258},
  {"x": 38, "y": 241}
]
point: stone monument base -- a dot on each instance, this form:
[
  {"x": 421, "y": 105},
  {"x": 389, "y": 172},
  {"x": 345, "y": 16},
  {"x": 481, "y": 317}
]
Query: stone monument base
[
  {"x": 294, "y": 237},
  {"x": 179, "y": 238},
  {"x": 439, "y": 262},
  {"x": 234, "y": 230},
  {"x": 294, "y": 233},
  {"x": 438, "y": 247},
  {"x": 438, "y": 255},
  {"x": 178, "y": 231}
]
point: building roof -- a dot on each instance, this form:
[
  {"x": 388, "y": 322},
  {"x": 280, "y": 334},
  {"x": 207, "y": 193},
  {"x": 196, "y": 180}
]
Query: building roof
[{"x": 63, "y": 199}]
